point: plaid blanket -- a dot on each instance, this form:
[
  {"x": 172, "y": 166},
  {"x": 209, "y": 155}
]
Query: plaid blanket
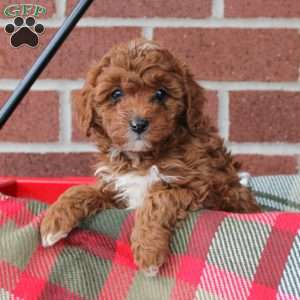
[{"x": 215, "y": 255}]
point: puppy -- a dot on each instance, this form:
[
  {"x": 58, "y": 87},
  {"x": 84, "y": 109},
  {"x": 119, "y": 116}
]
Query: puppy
[{"x": 158, "y": 151}]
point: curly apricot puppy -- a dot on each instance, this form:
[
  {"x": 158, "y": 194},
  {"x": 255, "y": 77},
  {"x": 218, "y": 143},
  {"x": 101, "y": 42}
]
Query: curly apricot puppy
[{"x": 158, "y": 152}]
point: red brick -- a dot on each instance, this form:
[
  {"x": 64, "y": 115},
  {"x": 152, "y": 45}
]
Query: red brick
[
  {"x": 236, "y": 54},
  {"x": 156, "y": 8},
  {"x": 47, "y": 165},
  {"x": 49, "y": 5},
  {"x": 268, "y": 165},
  {"x": 259, "y": 116},
  {"x": 259, "y": 8},
  {"x": 211, "y": 107},
  {"x": 35, "y": 120},
  {"x": 82, "y": 47}
]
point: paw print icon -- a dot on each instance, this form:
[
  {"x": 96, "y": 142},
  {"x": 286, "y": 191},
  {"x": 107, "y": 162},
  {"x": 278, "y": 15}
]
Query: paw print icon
[{"x": 24, "y": 32}]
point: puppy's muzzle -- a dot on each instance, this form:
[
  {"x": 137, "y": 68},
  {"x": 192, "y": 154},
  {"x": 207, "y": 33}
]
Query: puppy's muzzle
[{"x": 139, "y": 125}]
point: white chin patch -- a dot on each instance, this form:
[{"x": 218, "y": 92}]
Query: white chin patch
[{"x": 138, "y": 146}]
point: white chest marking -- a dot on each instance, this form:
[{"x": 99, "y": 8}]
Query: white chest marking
[{"x": 132, "y": 187}]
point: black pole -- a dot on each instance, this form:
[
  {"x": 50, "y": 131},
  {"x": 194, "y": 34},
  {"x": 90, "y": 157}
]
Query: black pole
[{"x": 41, "y": 63}]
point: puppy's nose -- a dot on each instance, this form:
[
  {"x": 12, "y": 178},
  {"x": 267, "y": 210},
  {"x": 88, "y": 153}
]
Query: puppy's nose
[{"x": 139, "y": 125}]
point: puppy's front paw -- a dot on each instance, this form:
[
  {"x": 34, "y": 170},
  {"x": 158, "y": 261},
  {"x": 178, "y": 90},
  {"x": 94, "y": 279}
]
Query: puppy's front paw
[
  {"x": 149, "y": 256},
  {"x": 54, "y": 227},
  {"x": 50, "y": 239},
  {"x": 152, "y": 271}
]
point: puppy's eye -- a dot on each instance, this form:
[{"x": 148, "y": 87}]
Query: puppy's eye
[
  {"x": 116, "y": 95},
  {"x": 160, "y": 95}
]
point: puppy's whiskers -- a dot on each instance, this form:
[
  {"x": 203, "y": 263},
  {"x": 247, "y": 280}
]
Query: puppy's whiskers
[
  {"x": 136, "y": 143},
  {"x": 124, "y": 115}
]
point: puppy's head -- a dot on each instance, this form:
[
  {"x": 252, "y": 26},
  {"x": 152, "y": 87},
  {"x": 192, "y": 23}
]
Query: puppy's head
[{"x": 137, "y": 96}]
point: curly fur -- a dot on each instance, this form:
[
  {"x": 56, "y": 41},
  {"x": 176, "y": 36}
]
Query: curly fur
[{"x": 179, "y": 164}]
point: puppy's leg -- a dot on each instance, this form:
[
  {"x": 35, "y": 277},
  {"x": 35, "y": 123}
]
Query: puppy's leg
[
  {"x": 71, "y": 207},
  {"x": 240, "y": 199},
  {"x": 235, "y": 198},
  {"x": 154, "y": 224}
]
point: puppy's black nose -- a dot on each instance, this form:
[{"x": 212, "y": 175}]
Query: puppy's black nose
[{"x": 139, "y": 125}]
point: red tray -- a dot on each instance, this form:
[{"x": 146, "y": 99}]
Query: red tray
[{"x": 46, "y": 190}]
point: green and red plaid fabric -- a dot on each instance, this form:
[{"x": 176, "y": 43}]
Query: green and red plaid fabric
[{"x": 215, "y": 255}]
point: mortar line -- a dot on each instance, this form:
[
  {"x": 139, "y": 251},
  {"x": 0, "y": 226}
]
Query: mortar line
[
  {"x": 44, "y": 84},
  {"x": 250, "y": 85},
  {"x": 218, "y": 8},
  {"x": 213, "y": 22},
  {"x": 147, "y": 33},
  {"x": 223, "y": 114},
  {"x": 69, "y": 84},
  {"x": 280, "y": 149},
  {"x": 46, "y": 148},
  {"x": 60, "y": 6},
  {"x": 65, "y": 118}
]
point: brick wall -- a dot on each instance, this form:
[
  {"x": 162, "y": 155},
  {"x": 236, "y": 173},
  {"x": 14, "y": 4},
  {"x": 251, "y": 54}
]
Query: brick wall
[{"x": 246, "y": 53}]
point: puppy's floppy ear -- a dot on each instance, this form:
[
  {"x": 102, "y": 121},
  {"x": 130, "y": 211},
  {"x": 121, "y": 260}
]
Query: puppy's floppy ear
[
  {"x": 195, "y": 100},
  {"x": 84, "y": 101},
  {"x": 84, "y": 111}
]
